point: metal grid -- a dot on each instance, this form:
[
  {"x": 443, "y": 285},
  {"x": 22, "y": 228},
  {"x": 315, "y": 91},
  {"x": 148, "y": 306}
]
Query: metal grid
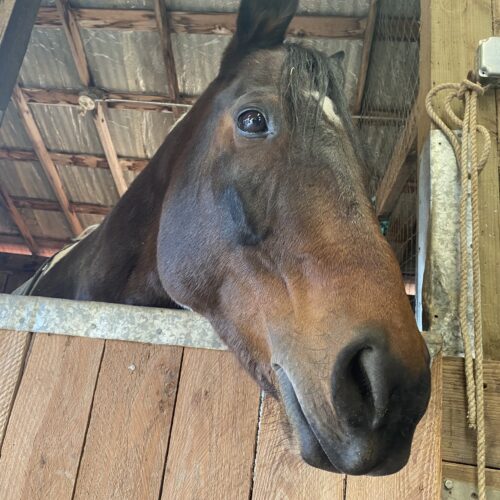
[{"x": 388, "y": 126}]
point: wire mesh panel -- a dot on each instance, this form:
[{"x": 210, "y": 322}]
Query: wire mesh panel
[{"x": 387, "y": 120}]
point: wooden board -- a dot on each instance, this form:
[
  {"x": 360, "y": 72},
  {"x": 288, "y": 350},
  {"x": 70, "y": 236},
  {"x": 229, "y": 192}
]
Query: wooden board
[
  {"x": 468, "y": 474},
  {"x": 459, "y": 442},
  {"x": 130, "y": 425},
  {"x": 13, "y": 347},
  {"x": 281, "y": 474},
  {"x": 421, "y": 478},
  {"x": 451, "y": 30},
  {"x": 213, "y": 435},
  {"x": 46, "y": 431}
]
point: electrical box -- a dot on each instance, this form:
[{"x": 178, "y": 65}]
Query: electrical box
[{"x": 488, "y": 61}]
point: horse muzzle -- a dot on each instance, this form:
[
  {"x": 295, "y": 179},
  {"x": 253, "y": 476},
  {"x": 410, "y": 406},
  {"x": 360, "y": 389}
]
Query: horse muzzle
[{"x": 361, "y": 421}]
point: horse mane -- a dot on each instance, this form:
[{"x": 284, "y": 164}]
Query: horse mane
[{"x": 307, "y": 76}]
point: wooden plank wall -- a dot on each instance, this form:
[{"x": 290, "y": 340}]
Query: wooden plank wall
[
  {"x": 450, "y": 33},
  {"x": 118, "y": 420}
]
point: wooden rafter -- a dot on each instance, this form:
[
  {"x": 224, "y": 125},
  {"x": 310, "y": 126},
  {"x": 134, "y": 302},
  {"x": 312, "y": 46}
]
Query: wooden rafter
[
  {"x": 16, "y": 244},
  {"x": 18, "y": 220},
  {"x": 109, "y": 148},
  {"x": 399, "y": 170},
  {"x": 202, "y": 23},
  {"x": 75, "y": 159},
  {"x": 45, "y": 159},
  {"x": 74, "y": 40},
  {"x": 53, "y": 206},
  {"x": 78, "y": 53},
  {"x": 168, "y": 53},
  {"x": 365, "y": 58}
]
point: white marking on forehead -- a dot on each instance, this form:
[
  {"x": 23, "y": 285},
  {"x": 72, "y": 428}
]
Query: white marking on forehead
[{"x": 328, "y": 108}]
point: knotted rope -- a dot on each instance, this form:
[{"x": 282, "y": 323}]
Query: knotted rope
[{"x": 469, "y": 165}]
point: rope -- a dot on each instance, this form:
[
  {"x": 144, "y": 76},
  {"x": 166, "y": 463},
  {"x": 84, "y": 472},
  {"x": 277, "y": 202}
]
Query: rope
[{"x": 470, "y": 167}]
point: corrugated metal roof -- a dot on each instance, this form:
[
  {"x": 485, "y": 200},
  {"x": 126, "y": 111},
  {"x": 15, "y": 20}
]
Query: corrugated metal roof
[
  {"x": 64, "y": 129},
  {"x": 42, "y": 223},
  {"x": 138, "y": 134},
  {"x": 88, "y": 185},
  {"x": 130, "y": 61},
  {"x": 12, "y": 134},
  {"x": 48, "y": 62},
  {"x": 6, "y": 225},
  {"x": 25, "y": 178}
]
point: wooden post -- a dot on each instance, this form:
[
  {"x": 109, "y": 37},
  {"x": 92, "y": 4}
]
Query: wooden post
[
  {"x": 451, "y": 30},
  {"x": 17, "y": 18}
]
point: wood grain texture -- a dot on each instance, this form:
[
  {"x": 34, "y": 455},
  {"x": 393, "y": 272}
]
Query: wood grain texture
[
  {"x": 13, "y": 348},
  {"x": 399, "y": 169},
  {"x": 48, "y": 165},
  {"x": 104, "y": 134},
  {"x": 459, "y": 442},
  {"x": 281, "y": 473},
  {"x": 421, "y": 477},
  {"x": 213, "y": 23},
  {"x": 214, "y": 430},
  {"x": 167, "y": 50},
  {"x": 46, "y": 430},
  {"x": 78, "y": 159},
  {"x": 365, "y": 57},
  {"x": 129, "y": 429},
  {"x": 75, "y": 42},
  {"x": 451, "y": 30},
  {"x": 468, "y": 474},
  {"x": 53, "y": 206}
]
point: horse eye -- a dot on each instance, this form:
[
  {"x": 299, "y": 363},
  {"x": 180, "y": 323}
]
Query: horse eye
[{"x": 252, "y": 122}]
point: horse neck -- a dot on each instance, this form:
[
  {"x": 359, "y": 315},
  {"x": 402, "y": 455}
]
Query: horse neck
[{"x": 117, "y": 262}]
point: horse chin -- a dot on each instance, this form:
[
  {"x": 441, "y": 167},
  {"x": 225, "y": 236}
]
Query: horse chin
[{"x": 314, "y": 454}]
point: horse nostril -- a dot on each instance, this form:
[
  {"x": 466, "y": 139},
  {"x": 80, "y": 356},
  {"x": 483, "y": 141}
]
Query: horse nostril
[
  {"x": 361, "y": 380},
  {"x": 362, "y": 387}
]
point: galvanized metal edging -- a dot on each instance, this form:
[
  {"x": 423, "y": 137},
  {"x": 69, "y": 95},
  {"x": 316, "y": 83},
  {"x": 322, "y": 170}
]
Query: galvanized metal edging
[
  {"x": 99, "y": 320},
  {"x": 107, "y": 321}
]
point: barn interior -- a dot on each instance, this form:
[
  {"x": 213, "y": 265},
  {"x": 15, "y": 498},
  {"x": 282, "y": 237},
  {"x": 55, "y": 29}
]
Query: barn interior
[{"x": 102, "y": 83}]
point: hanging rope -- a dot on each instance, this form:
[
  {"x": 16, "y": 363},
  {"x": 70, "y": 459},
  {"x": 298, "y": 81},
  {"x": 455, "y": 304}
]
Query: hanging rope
[{"x": 469, "y": 166}]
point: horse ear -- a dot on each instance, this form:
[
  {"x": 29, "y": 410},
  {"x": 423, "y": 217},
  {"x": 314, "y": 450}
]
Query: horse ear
[
  {"x": 261, "y": 24},
  {"x": 337, "y": 62}
]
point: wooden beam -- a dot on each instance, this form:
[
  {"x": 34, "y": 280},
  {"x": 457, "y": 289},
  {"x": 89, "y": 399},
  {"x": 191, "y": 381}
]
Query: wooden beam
[
  {"x": 17, "y": 245},
  {"x": 109, "y": 148},
  {"x": 399, "y": 170},
  {"x": 74, "y": 40},
  {"x": 75, "y": 159},
  {"x": 365, "y": 58},
  {"x": 213, "y": 23},
  {"x": 461, "y": 474},
  {"x": 48, "y": 165},
  {"x": 53, "y": 206},
  {"x": 113, "y": 100},
  {"x": 17, "y": 18},
  {"x": 18, "y": 220},
  {"x": 166, "y": 45}
]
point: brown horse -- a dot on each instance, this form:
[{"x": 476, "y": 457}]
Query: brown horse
[{"x": 254, "y": 213}]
